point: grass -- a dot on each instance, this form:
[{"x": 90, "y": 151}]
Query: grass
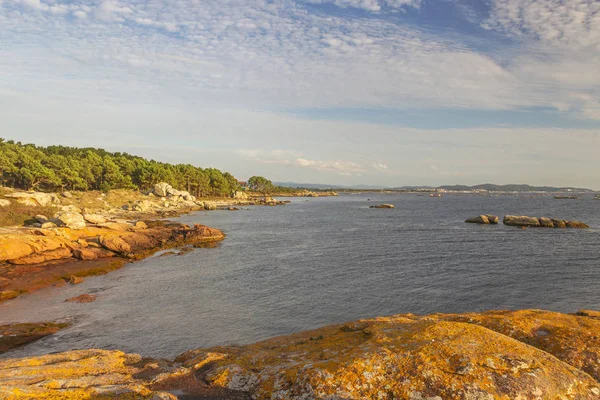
[{"x": 17, "y": 214}]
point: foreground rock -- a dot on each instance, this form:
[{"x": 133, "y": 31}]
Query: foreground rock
[
  {"x": 85, "y": 374},
  {"x": 524, "y": 221},
  {"x": 529, "y": 354}
]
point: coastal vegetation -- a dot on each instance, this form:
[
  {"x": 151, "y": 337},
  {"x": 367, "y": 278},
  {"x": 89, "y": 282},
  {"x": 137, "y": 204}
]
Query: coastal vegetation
[{"x": 59, "y": 168}]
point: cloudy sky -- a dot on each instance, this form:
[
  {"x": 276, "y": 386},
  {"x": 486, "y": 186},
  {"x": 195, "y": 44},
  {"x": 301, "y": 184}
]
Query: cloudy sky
[{"x": 386, "y": 92}]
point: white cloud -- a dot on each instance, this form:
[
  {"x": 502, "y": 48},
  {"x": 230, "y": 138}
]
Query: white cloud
[{"x": 369, "y": 5}]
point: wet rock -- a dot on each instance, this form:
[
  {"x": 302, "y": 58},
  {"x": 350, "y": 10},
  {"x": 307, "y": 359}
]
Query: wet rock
[
  {"x": 84, "y": 298},
  {"x": 546, "y": 222},
  {"x": 382, "y": 206},
  {"x": 558, "y": 223},
  {"x": 37, "y": 258},
  {"x": 482, "y": 220},
  {"x": 576, "y": 225},
  {"x": 513, "y": 220}
]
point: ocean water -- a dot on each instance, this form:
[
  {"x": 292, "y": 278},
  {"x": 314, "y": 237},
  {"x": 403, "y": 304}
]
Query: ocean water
[{"x": 329, "y": 260}]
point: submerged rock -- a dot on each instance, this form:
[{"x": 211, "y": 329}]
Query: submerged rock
[
  {"x": 483, "y": 220},
  {"x": 576, "y": 225}
]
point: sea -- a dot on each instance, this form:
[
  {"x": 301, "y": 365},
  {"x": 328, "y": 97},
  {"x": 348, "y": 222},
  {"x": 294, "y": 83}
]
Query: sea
[{"x": 320, "y": 261}]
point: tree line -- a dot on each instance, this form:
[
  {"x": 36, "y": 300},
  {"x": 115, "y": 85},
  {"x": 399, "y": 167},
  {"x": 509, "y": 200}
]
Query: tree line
[{"x": 59, "y": 168}]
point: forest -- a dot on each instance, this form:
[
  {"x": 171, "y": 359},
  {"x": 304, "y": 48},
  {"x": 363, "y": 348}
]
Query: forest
[{"x": 59, "y": 168}]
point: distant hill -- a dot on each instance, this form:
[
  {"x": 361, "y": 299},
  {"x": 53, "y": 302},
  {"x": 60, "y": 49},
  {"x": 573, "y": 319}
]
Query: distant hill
[
  {"x": 324, "y": 186},
  {"x": 513, "y": 188}
]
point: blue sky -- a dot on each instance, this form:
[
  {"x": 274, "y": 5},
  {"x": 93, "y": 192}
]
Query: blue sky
[{"x": 388, "y": 92}]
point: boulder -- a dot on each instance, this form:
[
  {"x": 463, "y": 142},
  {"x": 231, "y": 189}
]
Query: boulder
[
  {"x": 382, "y": 206},
  {"x": 113, "y": 242},
  {"x": 41, "y": 218},
  {"x": 239, "y": 195},
  {"x": 140, "y": 225},
  {"x": 4, "y": 203},
  {"x": 70, "y": 208},
  {"x": 71, "y": 220},
  {"x": 210, "y": 205},
  {"x": 576, "y": 225},
  {"x": 68, "y": 195},
  {"x": 94, "y": 218},
  {"x": 173, "y": 192},
  {"x": 546, "y": 222},
  {"x": 558, "y": 223},
  {"x": 74, "y": 280},
  {"x": 493, "y": 219},
  {"x": 482, "y": 220},
  {"x": 160, "y": 189},
  {"x": 85, "y": 254},
  {"x": 34, "y": 198},
  {"x": 513, "y": 220},
  {"x": 48, "y": 225}
]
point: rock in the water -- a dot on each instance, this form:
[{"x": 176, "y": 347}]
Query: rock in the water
[
  {"x": 71, "y": 220},
  {"x": 94, "y": 218},
  {"x": 382, "y": 206},
  {"x": 513, "y": 220},
  {"x": 576, "y": 225},
  {"x": 546, "y": 222},
  {"x": 482, "y": 220},
  {"x": 493, "y": 219},
  {"x": 161, "y": 189},
  {"x": 84, "y": 298},
  {"x": 210, "y": 206},
  {"x": 558, "y": 223},
  {"x": 4, "y": 203}
]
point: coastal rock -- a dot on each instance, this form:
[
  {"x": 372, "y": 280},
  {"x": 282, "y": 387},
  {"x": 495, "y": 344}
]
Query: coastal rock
[
  {"x": 81, "y": 374},
  {"x": 482, "y": 220},
  {"x": 37, "y": 258},
  {"x": 513, "y": 220},
  {"x": 34, "y": 198},
  {"x": 85, "y": 254},
  {"x": 239, "y": 195},
  {"x": 94, "y": 218},
  {"x": 72, "y": 220},
  {"x": 160, "y": 189},
  {"x": 113, "y": 242},
  {"x": 494, "y": 355},
  {"x": 48, "y": 225},
  {"x": 558, "y": 223},
  {"x": 576, "y": 225},
  {"x": 173, "y": 192},
  {"x": 493, "y": 219},
  {"x": 546, "y": 222},
  {"x": 13, "y": 247},
  {"x": 382, "y": 206},
  {"x": 4, "y": 203},
  {"x": 143, "y": 206},
  {"x": 210, "y": 205},
  {"x": 14, "y": 335}
]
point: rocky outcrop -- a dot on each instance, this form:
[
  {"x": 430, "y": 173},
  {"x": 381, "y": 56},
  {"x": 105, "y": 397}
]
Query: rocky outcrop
[
  {"x": 523, "y": 221},
  {"x": 382, "y": 206},
  {"x": 15, "y": 335},
  {"x": 483, "y": 220},
  {"x": 37, "y": 258},
  {"x": 239, "y": 195},
  {"x": 94, "y": 218},
  {"x": 84, "y": 374},
  {"x": 513, "y": 220},
  {"x": 528, "y": 354},
  {"x": 34, "y": 198}
]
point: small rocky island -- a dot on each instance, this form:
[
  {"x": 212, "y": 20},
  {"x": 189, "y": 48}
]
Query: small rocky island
[{"x": 526, "y": 222}]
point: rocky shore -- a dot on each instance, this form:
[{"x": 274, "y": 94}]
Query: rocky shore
[{"x": 527, "y": 354}]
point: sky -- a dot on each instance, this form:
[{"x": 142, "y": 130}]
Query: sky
[{"x": 381, "y": 92}]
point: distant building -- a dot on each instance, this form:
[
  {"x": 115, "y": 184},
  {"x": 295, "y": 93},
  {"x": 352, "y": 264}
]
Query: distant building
[{"x": 243, "y": 184}]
